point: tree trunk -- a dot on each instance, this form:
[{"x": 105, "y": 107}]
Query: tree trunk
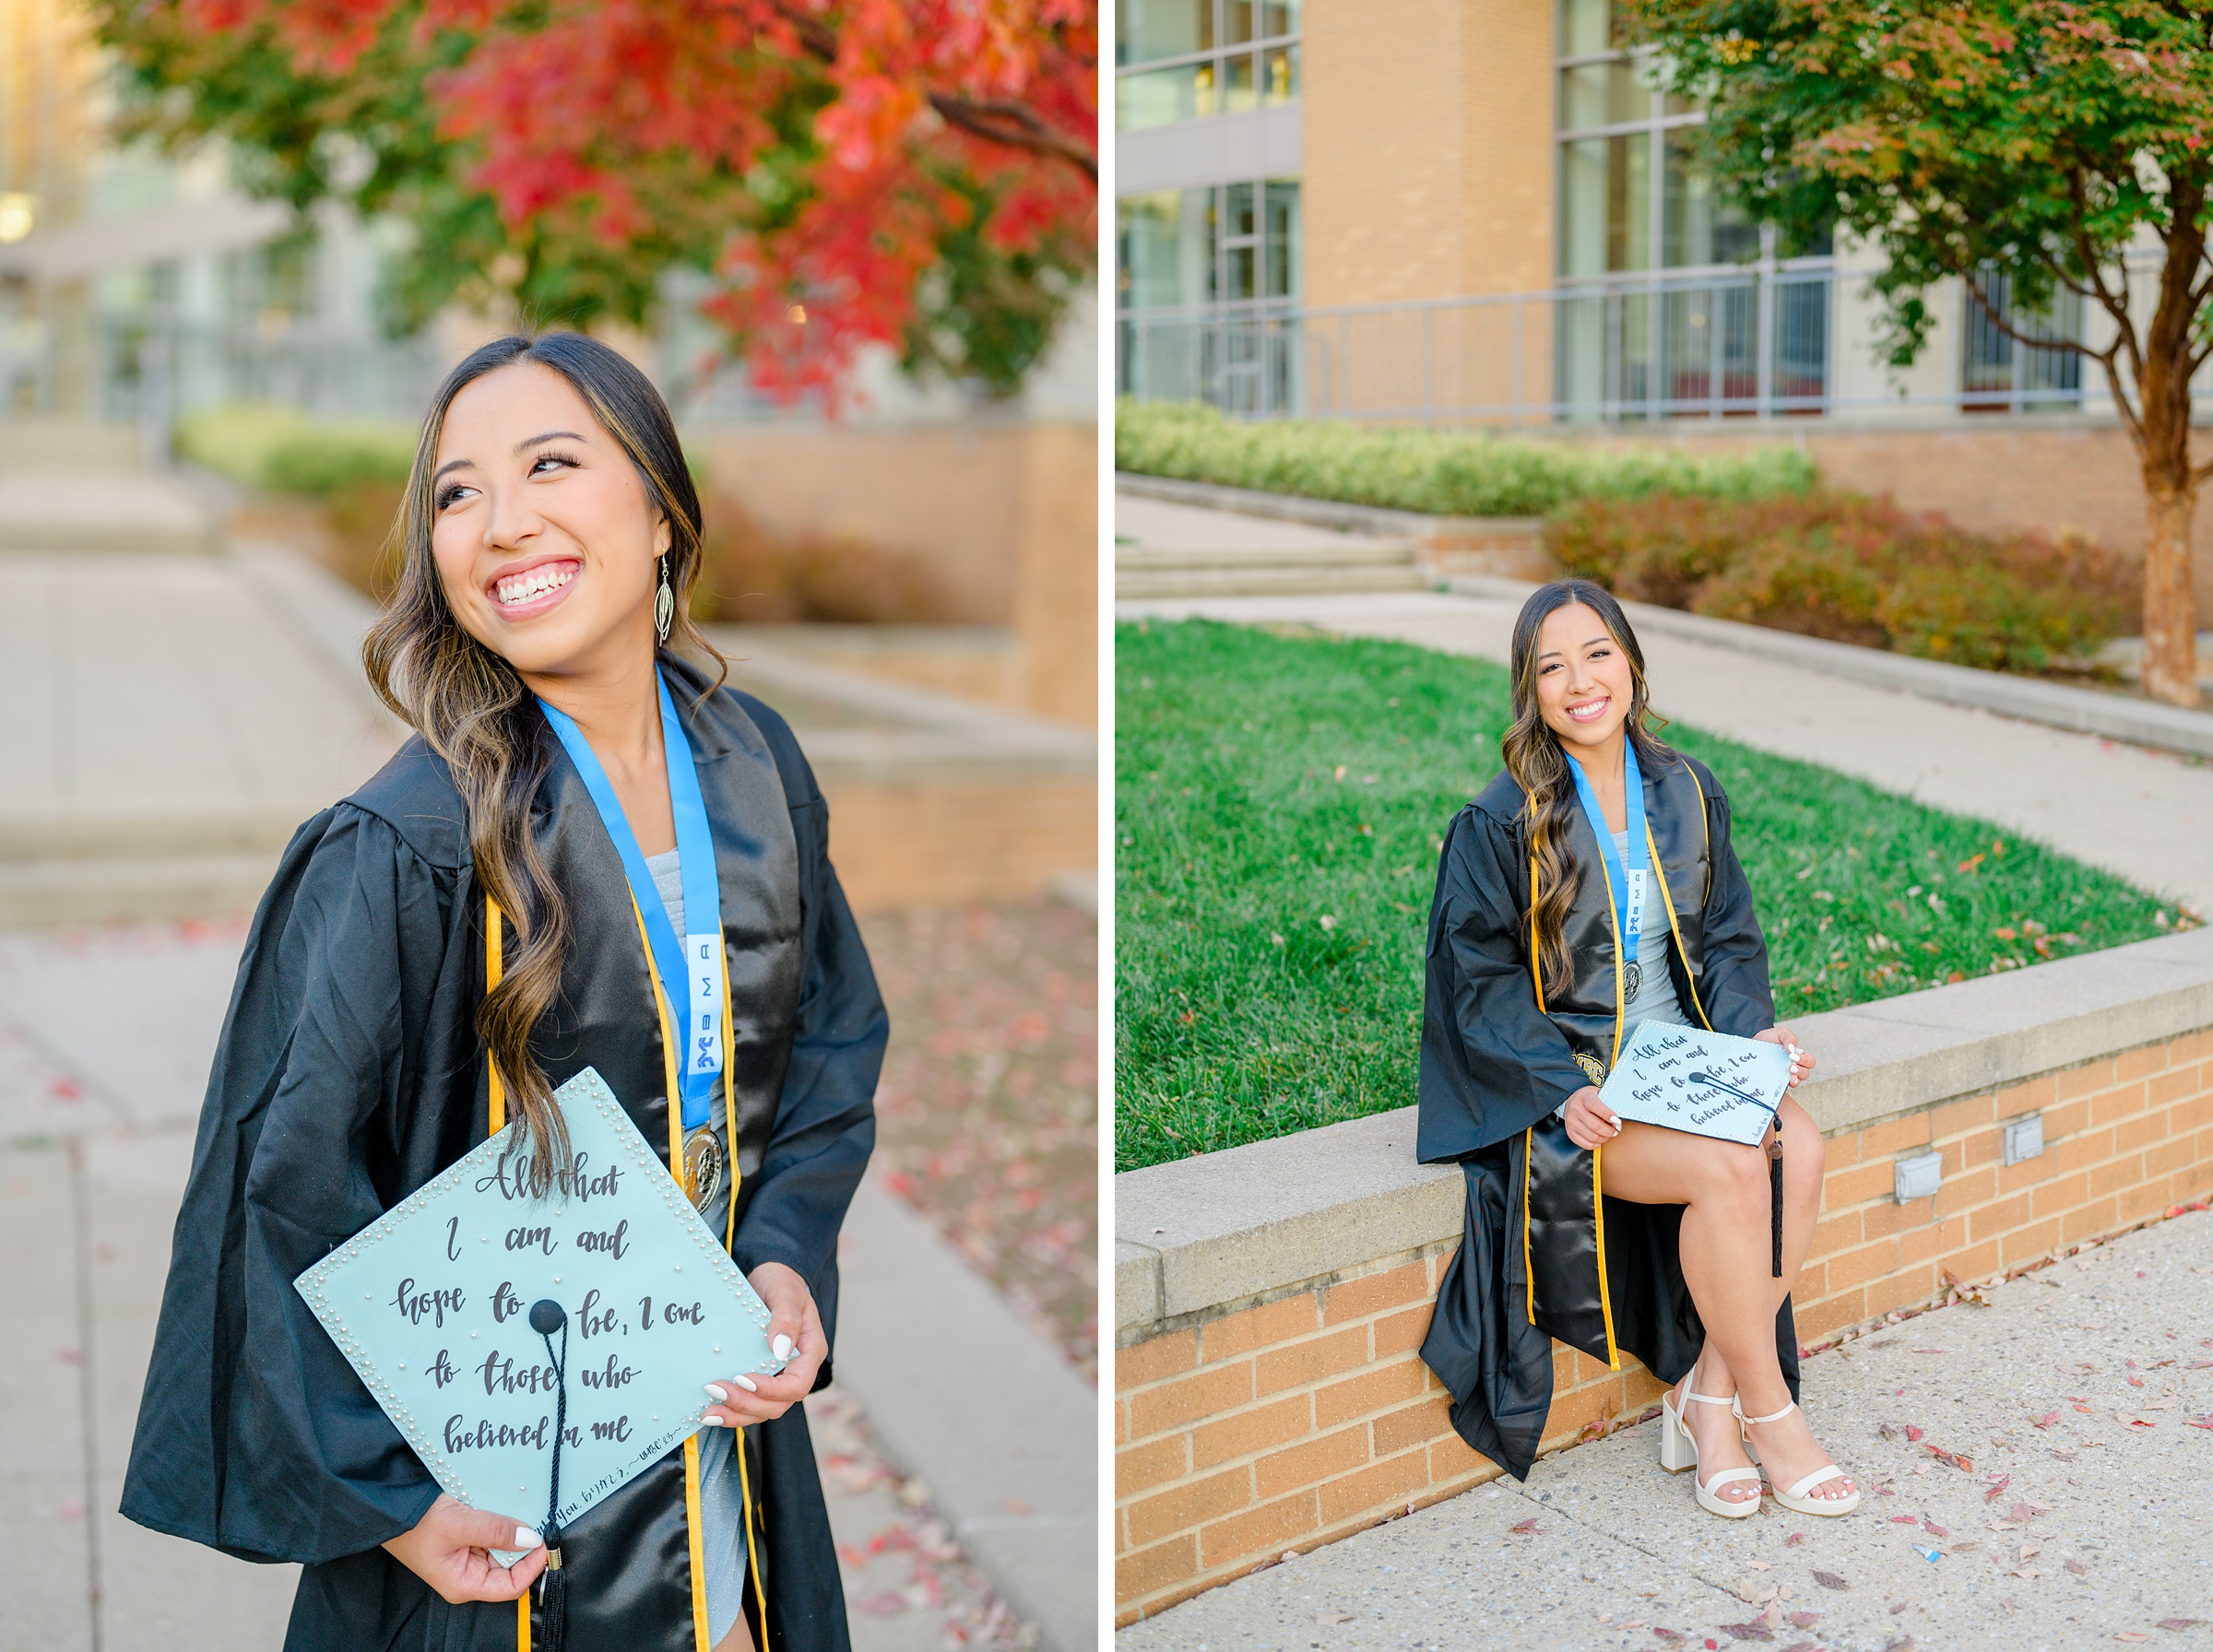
[
  {"x": 2164, "y": 448},
  {"x": 2169, "y": 600}
]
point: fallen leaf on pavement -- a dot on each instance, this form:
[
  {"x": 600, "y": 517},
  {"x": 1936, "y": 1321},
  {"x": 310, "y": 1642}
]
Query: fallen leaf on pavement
[
  {"x": 1905, "y": 1519},
  {"x": 2132, "y": 1634},
  {"x": 1829, "y": 1580},
  {"x": 1669, "y": 1634},
  {"x": 1327, "y": 1618},
  {"x": 2076, "y": 1567},
  {"x": 2046, "y": 1420},
  {"x": 1934, "y": 1529},
  {"x": 1795, "y": 1538},
  {"x": 1806, "y": 1620},
  {"x": 1527, "y": 1528},
  {"x": 2179, "y": 1623},
  {"x": 1997, "y": 1486},
  {"x": 1757, "y": 1630},
  {"x": 1913, "y": 1432},
  {"x": 2031, "y": 1550}
]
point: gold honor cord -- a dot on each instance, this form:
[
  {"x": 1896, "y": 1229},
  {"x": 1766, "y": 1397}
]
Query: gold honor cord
[{"x": 495, "y": 1120}]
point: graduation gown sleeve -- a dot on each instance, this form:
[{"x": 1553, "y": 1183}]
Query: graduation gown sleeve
[
  {"x": 825, "y": 1126},
  {"x": 255, "y": 1436},
  {"x": 1491, "y": 1062}
]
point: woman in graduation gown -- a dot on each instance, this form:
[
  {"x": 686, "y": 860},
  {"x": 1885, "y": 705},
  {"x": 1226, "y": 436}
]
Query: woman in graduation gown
[
  {"x": 1545, "y": 947},
  {"x": 445, "y": 946}
]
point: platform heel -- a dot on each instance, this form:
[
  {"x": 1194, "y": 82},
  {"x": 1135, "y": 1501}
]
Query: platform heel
[
  {"x": 1679, "y": 1451},
  {"x": 1795, "y": 1497}
]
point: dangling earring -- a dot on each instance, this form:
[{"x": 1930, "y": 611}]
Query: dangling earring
[{"x": 664, "y": 604}]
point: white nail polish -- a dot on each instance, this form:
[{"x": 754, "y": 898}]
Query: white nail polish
[
  {"x": 717, "y": 1392},
  {"x": 524, "y": 1538},
  {"x": 781, "y": 1347},
  {"x": 713, "y": 1422},
  {"x": 746, "y": 1383}
]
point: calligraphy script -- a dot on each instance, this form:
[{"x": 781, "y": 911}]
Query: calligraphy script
[
  {"x": 1688, "y": 1079},
  {"x": 432, "y": 1305}
]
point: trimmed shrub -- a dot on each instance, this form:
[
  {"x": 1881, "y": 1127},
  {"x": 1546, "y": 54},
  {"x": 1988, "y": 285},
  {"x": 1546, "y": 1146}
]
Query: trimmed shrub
[
  {"x": 277, "y": 449},
  {"x": 1444, "y": 473},
  {"x": 1856, "y": 570}
]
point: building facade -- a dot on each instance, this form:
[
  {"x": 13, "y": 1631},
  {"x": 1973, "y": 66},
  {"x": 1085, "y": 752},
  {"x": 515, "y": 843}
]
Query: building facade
[{"x": 1483, "y": 211}]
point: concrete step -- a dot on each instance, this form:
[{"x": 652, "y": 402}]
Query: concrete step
[
  {"x": 1352, "y": 553},
  {"x": 104, "y": 514},
  {"x": 153, "y": 834},
  {"x": 69, "y": 445},
  {"x": 49, "y": 893},
  {"x": 1274, "y": 580}
]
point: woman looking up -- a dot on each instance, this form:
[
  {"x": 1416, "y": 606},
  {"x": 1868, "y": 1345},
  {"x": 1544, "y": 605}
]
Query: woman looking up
[
  {"x": 1547, "y": 945},
  {"x": 480, "y": 921}
]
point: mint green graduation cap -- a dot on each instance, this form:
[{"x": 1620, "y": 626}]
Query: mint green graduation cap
[
  {"x": 432, "y": 1305},
  {"x": 1688, "y": 1079}
]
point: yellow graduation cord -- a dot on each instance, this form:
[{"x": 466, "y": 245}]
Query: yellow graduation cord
[{"x": 496, "y": 1120}]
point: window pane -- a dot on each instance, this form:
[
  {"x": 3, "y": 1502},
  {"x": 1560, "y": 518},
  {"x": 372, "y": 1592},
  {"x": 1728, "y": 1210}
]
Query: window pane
[
  {"x": 1166, "y": 248},
  {"x": 1605, "y": 204},
  {"x": 1283, "y": 237},
  {"x": 1279, "y": 17},
  {"x": 1237, "y": 21},
  {"x": 1602, "y": 94},
  {"x": 1238, "y": 218},
  {"x": 1150, "y": 29},
  {"x": 1160, "y": 96},
  {"x": 1282, "y": 75},
  {"x": 1237, "y": 92},
  {"x": 1585, "y": 26},
  {"x": 1699, "y": 227}
]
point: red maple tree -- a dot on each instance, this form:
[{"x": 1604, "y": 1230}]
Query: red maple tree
[{"x": 829, "y": 149}]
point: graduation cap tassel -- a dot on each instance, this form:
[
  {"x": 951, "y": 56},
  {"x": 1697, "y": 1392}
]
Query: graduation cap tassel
[
  {"x": 546, "y": 1317},
  {"x": 1775, "y": 1193}
]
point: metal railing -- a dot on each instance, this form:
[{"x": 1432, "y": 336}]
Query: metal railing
[{"x": 1759, "y": 342}]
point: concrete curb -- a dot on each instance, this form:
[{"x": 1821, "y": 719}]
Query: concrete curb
[
  {"x": 2081, "y": 711},
  {"x": 971, "y": 1401},
  {"x": 1249, "y": 1224}
]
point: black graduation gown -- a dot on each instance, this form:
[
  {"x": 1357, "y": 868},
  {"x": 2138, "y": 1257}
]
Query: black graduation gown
[
  {"x": 349, "y": 1073},
  {"x": 1544, "y": 1255}
]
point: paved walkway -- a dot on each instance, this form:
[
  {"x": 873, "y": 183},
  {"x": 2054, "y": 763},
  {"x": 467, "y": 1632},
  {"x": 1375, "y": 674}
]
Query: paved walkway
[
  {"x": 2146, "y": 815},
  {"x": 2083, "y": 1518}
]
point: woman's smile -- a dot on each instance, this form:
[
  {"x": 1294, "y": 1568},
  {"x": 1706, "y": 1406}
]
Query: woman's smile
[
  {"x": 520, "y": 593},
  {"x": 1591, "y": 710}
]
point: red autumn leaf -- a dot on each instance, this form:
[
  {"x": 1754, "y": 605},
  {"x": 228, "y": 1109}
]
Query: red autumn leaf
[
  {"x": 1934, "y": 1529},
  {"x": 1913, "y": 1432},
  {"x": 2180, "y": 1623},
  {"x": 2076, "y": 1567},
  {"x": 1527, "y": 1528},
  {"x": 1795, "y": 1538},
  {"x": 1997, "y": 1486},
  {"x": 1905, "y": 1519},
  {"x": 1805, "y": 1620},
  {"x": 2136, "y": 1382},
  {"x": 2047, "y": 1419},
  {"x": 1829, "y": 1580}
]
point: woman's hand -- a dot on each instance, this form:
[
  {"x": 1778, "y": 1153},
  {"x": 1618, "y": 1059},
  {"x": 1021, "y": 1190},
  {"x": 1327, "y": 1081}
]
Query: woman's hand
[
  {"x": 795, "y": 1330},
  {"x": 450, "y": 1549},
  {"x": 1589, "y": 1121},
  {"x": 1802, "y": 1063}
]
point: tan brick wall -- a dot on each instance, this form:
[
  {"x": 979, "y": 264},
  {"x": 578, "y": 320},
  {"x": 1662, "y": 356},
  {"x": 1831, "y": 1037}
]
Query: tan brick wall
[
  {"x": 1427, "y": 132},
  {"x": 1305, "y": 1420},
  {"x": 956, "y": 840}
]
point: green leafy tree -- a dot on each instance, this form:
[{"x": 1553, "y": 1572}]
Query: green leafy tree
[{"x": 2052, "y": 143}]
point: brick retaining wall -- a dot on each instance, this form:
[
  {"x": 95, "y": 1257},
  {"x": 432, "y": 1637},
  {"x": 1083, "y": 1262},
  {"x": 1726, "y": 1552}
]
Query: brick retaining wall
[{"x": 1298, "y": 1420}]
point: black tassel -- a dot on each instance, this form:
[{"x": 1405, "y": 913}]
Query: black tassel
[
  {"x": 1775, "y": 1194},
  {"x": 546, "y": 1317},
  {"x": 553, "y": 1597}
]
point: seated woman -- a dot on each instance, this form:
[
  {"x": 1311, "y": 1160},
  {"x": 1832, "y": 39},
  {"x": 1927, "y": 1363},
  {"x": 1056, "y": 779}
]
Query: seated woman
[{"x": 1547, "y": 944}]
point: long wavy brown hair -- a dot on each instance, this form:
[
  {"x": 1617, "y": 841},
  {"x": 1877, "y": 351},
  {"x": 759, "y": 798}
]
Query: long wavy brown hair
[
  {"x": 1533, "y": 757},
  {"x": 474, "y": 711}
]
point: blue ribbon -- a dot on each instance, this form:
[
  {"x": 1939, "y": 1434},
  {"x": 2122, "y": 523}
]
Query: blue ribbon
[
  {"x": 691, "y": 969},
  {"x": 1627, "y": 920}
]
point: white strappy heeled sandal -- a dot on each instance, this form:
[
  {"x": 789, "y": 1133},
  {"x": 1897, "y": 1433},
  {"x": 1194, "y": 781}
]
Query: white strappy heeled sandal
[
  {"x": 1679, "y": 1451},
  {"x": 1796, "y": 1498}
]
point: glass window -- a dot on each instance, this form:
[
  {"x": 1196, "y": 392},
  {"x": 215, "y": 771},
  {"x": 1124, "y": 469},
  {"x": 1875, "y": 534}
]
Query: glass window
[
  {"x": 1167, "y": 251},
  {"x": 1241, "y": 243},
  {"x": 1280, "y": 83},
  {"x": 1586, "y": 26},
  {"x": 1281, "y": 272},
  {"x": 1605, "y": 204},
  {"x": 1279, "y": 17},
  {"x": 1698, "y": 228},
  {"x": 1146, "y": 30},
  {"x": 1602, "y": 94},
  {"x": 1159, "y": 96},
  {"x": 1239, "y": 93},
  {"x": 1237, "y": 21}
]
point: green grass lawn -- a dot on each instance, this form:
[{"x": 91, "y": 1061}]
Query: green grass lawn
[{"x": 1278, "y": 803}]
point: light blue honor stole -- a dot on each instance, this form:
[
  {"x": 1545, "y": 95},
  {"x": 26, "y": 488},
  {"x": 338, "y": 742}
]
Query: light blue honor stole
[
  {"x": 1627, "y": 884},
  {"x": 691, "y": 969}
]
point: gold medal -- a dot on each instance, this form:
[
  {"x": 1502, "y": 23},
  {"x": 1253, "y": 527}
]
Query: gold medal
[
  {"x": 702, "y": 1166},
  {"x": 1632, "y": 979}
]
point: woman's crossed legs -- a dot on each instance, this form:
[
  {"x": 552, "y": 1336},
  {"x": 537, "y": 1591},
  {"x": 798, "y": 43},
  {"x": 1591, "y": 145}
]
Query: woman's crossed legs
[{"x": 1728, "y": 1264}]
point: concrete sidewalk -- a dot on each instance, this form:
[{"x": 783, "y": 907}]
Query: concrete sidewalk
[
  {"x": 2145, "y": 815},
  {"x": 2082, "y": 1517}
]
